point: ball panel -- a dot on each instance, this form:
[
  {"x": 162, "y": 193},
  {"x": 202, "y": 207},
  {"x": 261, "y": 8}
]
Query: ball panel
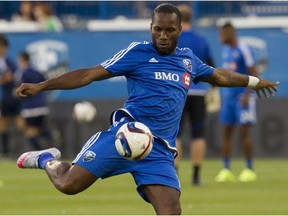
[
  {"x": 123, "y": 146},
  {"x": 138, "y": 138}
]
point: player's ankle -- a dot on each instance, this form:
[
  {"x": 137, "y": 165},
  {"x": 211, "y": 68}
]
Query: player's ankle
[{"x": 44, "y": 158}]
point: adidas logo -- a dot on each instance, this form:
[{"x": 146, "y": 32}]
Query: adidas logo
[{"x": 153, "y": 60}]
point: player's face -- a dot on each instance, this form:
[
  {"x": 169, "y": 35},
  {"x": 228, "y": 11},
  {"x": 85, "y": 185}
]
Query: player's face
[
  {"x": 226, "y": 35},
  {"x": 165, "y": 30},
  {"x": 3, "y": 50}
]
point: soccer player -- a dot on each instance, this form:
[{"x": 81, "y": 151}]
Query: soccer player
[
  {"x": 33, "y": 109},
  {"x": 238, "y": 105},
  {"x": 195, "y": 103},
  {"x": 10, "y": 104},
  {"x": 158, "y": 76}
]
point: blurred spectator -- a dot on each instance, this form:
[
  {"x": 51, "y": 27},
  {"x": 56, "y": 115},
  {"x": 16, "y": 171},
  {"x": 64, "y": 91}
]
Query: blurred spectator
[
  {"x": 238, "y": 106},
  {"x": 10, "y": 105},
  {"x": 34, "y": 109},
  {"x": 142, "y": 9},
  {"x": 48, "y": 21},
  {"x": 195, "y": 106},
  {"x": 25, "y": 12}
]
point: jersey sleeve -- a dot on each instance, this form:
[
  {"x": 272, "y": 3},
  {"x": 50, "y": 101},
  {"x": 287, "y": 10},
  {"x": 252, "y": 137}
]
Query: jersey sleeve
[
  {"x": 122, "y": 62},
  {"x": 247, "y": 54},
  {"x": 202, "y": 70}
]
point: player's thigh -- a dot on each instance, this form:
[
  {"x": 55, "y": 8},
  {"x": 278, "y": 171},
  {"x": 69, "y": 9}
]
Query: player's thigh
[
  {"x": 10, "y": 107},
  {"x": 100, "y": 157},
  {"x": 156, "y": 169},
  {"x": 20, "y": 123},
  {"x": 228, "y": 111},
  {"x": 247, "y": 114},
  {"x": 197, "y": 116},
  {"x": 3, "y": 123},
  {"x": 164, "y": 199}
]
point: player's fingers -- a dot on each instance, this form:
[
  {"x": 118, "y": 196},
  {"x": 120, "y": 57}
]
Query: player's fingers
[
  {"x": 270, "y": 91},
  {"x": 264, "y": 92},
  {"x": 274, "y": 88},
  {"x": 258, "y": 94},
  {"x": 21, "y": 94}
]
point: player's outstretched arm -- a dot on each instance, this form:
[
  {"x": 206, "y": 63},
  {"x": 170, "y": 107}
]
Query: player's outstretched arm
[
  {"x": 70, "y": 80},
  {"x": 227, "y": 78}
]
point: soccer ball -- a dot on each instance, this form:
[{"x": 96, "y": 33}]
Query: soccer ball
[
  {"x": 134, "y": 141},
  {"x": 84, "y": 111}
]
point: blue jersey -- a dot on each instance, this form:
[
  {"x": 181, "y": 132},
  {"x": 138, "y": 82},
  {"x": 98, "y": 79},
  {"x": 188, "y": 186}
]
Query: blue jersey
[
  {"x": 238, "y": 59},
  {"x": 200, "y": 48},
  {"x": 7, "y": 65},
  {"x": 157, "y": 84},
  {"x": 35, "y": 105}
]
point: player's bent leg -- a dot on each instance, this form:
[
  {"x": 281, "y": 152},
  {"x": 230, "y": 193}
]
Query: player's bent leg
[
  {"x": 164, "y": 199},
  {"x": 67, "y": 178}
]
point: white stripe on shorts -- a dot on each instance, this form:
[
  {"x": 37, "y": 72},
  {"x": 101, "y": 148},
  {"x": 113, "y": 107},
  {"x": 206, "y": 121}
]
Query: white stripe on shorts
[{"x": 86, "y": 146}]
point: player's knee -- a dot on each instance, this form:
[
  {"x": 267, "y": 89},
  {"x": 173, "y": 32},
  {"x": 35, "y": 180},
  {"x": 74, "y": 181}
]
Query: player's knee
[
  {"x": 197, "y": 134},
  {"x": 176, "y": 209},
  {"x": 68, "y": 187},
  {"x": 172, "y": 209}
]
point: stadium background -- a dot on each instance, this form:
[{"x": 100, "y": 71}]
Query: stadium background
[{"x": 86, "y": 42}]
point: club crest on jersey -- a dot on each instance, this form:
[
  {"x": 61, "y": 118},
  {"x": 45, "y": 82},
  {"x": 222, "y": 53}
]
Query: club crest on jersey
[
  {"x": 187, "y": 64},
  {"x": 186, "y": 79},
  {"x": 89, "y": 156}
]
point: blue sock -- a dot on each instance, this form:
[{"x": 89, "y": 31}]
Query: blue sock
[
  {"x": 44, "y": 158},
  {"x": 226, "y": 162},
  {"x": 249, "y": 163}
]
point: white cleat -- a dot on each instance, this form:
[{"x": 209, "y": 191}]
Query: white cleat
[{"x": 30, "y": 159}]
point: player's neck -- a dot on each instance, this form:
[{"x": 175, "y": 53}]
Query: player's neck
[{"x": 186, "y": 27}]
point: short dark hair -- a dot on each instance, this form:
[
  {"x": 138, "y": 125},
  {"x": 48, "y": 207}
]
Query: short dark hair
[
  {"x": 227, "y": 25},
  {"x": 167, "y": 8},
  {"x": 25, "y": 56},
  {"x": 3, "y": 41}
]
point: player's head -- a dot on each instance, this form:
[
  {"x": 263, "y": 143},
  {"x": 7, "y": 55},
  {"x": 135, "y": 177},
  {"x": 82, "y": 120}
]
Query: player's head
[
  {"x": 4, "y": 45},
  {"x": 227, "y": 34},
  {"x": 186, "y": 13},
  {"x": 165, "y": 28},
  {"x": 23, "y": 60}
]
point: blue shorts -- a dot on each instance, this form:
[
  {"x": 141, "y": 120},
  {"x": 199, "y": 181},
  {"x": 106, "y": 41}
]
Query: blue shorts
[
  {"x": 233, "y": 112},
  {"x": 100, "y": 157},
  {"x": 10, "y": 106}
]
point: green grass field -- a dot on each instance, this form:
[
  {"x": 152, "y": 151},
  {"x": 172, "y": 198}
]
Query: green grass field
[{"x": 30, "y": 192}]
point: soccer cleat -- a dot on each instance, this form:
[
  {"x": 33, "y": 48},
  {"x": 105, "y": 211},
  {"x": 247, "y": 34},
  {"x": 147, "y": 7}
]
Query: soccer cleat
[
  {"x": 30, "y": 159},
  {"x": 225, "y": 175},
  {"x": 247, "y": 175}
]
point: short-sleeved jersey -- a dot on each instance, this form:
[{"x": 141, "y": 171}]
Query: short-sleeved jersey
[
  {"x": 200, "y": 48},
  {"x": 6, "y": 64},
  {"x": 238, "y": 59},
  {"x": 157, "y": 84}
]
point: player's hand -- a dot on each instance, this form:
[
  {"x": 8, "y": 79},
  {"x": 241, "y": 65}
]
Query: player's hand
[
  {"x": 264, "y": 87},
  {"x": 27, "y": 89}
]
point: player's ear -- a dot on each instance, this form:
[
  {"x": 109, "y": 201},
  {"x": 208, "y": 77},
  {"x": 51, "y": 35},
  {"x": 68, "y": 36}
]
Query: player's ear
[{"x": 151, "y": 26}]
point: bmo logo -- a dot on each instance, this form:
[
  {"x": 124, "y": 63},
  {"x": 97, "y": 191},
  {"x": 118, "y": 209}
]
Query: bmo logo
[{"x": 166, "y": 76}]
